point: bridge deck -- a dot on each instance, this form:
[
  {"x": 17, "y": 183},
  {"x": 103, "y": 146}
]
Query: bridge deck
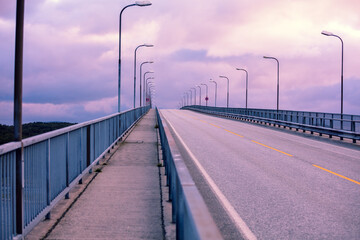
[{"x": 123, "y": 201}]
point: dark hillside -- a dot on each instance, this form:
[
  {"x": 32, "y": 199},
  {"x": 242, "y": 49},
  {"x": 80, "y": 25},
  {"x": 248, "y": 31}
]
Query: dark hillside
[{"x": 30, "y": 129}]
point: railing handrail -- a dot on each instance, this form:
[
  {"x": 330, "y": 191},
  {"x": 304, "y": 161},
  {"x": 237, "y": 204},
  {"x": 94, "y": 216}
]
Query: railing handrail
[
  {"x": 331, "y": 131},
  {"x": 8, "y": 147},
  {"x": 190, "y": 213},
  {"x": 39, "y": 171},
  {"x": 280, "y": 110},
  {"x": 283, "y": 113},
  {"x": 11, "y": 146},
  {"x": 314, "y": 117}
]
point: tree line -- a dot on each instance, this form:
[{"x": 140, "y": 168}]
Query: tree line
[{"x": 30, "y": 129}]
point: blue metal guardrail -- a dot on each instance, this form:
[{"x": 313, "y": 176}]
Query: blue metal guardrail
[
  {"x": 189, "y": 211},
  {"x": 53, "y": 163},
  {"x": 332, "y": 124}
]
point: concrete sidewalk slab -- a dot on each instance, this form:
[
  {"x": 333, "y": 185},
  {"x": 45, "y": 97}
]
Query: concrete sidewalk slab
[{"x": 123, "y": 201}]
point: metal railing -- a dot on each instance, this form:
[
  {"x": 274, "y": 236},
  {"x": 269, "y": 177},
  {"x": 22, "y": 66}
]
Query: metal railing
[
  {"x": 53, "y": 163},
  {"x": 332, "y": 124},
  {"x": 189, "y": 211}
]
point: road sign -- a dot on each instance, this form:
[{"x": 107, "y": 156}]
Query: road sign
[
  {"x": 206, "y": 98},
  {"x": 147, "y": 99}
]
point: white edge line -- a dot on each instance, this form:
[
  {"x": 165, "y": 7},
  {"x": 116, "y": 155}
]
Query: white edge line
[{"x": 240, "y": 224}]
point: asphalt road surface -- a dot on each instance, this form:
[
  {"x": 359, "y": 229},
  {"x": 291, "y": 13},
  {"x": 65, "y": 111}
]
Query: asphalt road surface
[{"x": 272, "y": 184}]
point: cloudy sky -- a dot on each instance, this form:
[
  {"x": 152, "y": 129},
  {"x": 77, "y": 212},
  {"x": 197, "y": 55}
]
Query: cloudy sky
[{"x": 71, "y": 51}]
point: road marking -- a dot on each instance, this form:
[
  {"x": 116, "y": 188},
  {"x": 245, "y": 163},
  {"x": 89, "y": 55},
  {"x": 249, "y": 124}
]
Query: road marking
[
  {"x": 349, "y": 179},
  {"x": 215, "y": 125},
  {"x": 239, "y": 223},
  {"x": 272, "y": 148},
  {"x": 233, "y": 133}
]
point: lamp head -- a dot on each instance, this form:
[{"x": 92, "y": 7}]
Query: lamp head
[
  {"x": 148, "y": 45},
  {"x": 326, "y": 33},
  {"x": 143, "y": 3}
]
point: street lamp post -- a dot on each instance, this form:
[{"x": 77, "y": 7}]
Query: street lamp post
[
  {"x": 151, "y": 93},
  {"x": 227, "y": 98},
  {"x": 194, "y": 94},
  {"x": 141, "y": 81},
  {"x": 142, "y": 45},
  {"x": 187, "y": 98},
  {"x": 246, "y": 97},
  {"x": 206, "y": 98},
  {"x": 342, "y": 71},
  {"x": 191, "y": 99},
  {"x": 200, "y": 94},
  {"x": 146, "y": 88},
  {"x": 145, "y": 85},
  {"x": 277, "y": 98},
  {"x": 18, "y": 83},
  {"x": 215, "y": 89},
  {"x": 140, "y": 4},
  {"x": 149, "y": 87}
]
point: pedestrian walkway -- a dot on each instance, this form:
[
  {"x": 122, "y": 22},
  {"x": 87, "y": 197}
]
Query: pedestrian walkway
[{"x": 123, "y": 201}]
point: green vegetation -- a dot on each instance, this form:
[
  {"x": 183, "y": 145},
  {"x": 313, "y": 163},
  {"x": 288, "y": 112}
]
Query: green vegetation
[{"x": 30, "y": 129}]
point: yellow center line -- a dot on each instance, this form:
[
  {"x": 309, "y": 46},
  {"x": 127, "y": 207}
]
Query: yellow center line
[
  {"x": 214, "y": 125},
  {"x": 272, "y": 148},
  {"x": 202, "y": 121},
  {"x": 233, "y": 133},
  {"x": 349, "y": 179}
]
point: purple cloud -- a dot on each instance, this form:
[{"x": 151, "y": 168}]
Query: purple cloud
[{"x": 71, "y": 51}]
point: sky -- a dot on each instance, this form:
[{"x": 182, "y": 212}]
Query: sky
[{"x": 71, "y": 54}]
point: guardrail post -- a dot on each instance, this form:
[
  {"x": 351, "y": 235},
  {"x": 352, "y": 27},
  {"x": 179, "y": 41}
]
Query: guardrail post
[
  {"x": 67, "y": 195},
  {"x": 19, "y": 190},
  {"x": 48, "y": 179},
  {"x": 88, "y": 148},
  {"x": 352, "y": 124},
  {"x": 179, "y": 212},
  {"x": 173, "y": 191},
  {"x": 118, "y": 127}
]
